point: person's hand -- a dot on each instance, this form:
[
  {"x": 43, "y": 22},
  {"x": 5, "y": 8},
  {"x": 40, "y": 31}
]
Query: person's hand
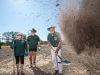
[
  {"x": 12, "y": 47},
  {"x": 56, "y": 51},
  {"x": 49, "y": 45},
  {"x": 39, "y": 48},
  {"x": 26, "y": 53}
]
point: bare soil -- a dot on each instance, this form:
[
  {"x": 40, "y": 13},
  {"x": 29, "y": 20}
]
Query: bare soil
[{"x": 44, "y": 65}]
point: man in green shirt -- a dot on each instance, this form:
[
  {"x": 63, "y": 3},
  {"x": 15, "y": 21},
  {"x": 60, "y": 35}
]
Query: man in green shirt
[
  {"x": 34, "y": 43},
  {"x": 54, "y": 40}
]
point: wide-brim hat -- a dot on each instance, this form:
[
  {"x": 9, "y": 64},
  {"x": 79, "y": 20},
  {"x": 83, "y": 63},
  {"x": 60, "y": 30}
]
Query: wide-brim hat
[
  {"x": 50, "y": 27},
  {"x": 33, "y": 30},
  {"x": 19, "y": 34}
]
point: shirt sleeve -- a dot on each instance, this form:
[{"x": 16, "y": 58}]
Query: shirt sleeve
[
  {"x": 38, "y": 38},
  {"x": 59, "y": 37}
]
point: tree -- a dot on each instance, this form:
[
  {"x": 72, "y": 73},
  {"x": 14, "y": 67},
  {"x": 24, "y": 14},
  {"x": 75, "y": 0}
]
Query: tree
[{"x": 9, "y": 36}]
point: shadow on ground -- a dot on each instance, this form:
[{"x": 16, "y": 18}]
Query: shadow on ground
[{"x": 38, "y": 71}]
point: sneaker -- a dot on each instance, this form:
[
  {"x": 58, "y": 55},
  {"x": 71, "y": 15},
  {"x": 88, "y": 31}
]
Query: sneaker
[
  {"x": 34, "y": 65},
  {"x": 30, "y": 66},
  {"x": 56, "y": 72}
]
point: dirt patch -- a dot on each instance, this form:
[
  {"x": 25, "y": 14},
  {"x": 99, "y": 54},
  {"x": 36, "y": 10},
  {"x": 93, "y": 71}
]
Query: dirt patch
[{"x": 44, "y": 65}]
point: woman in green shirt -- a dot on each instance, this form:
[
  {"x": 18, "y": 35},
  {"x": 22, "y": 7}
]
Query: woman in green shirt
[
  {"x": 20, "y": 49},
  {"x": 34, "y": 43}
]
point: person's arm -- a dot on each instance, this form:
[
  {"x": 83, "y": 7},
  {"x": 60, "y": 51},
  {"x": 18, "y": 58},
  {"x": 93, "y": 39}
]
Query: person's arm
[
  {"x": 49, "y": 45},
  {"x": 26, "y": 49},
  {"x": 27, "y": 42},
  {"x": 39, "y": 45},
  {"x": 48, "y": 39},
  {"x": 60, "y": 42},
  {"x": 27, "y": 39},
  {"x": 58, "y": 47},
  {"x": 13, "y": 44}
]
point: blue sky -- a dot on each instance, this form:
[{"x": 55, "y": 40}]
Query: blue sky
[{"x": 23, "y": 15}]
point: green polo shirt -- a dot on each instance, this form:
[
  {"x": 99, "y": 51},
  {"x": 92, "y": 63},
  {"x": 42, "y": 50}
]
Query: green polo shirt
[
  {"x": 33, "y": 41},
  {"x": 20, "y": 46},
  {"x": 54, "y": 39}
]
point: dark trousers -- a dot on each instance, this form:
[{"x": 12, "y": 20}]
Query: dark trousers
[{"x": 19, "y": 59}]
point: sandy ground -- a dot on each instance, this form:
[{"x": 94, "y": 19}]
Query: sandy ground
[
  {"x": 6, "y": 62},
  {"x": 44, "y": 65}
]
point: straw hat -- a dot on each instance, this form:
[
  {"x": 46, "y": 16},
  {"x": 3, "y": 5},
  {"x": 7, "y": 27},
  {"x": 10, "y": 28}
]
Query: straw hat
[{"x": 50, "y": 27}]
